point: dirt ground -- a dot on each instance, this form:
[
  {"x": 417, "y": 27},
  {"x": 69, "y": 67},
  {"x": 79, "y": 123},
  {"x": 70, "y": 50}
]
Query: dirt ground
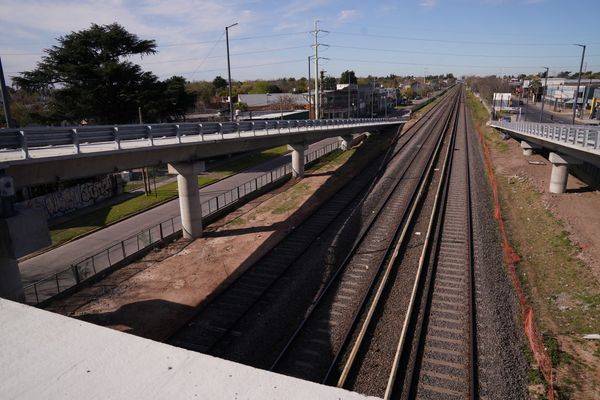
[
  {"x": 156, "y": 295},
  {"x": 562, "y": 291},
  {"x": 578, "y": 209}
]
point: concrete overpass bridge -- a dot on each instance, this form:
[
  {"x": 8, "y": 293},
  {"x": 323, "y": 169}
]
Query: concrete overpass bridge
[
  {"x": 567, "y": 144},
  {"x": 41, "y": 155}
]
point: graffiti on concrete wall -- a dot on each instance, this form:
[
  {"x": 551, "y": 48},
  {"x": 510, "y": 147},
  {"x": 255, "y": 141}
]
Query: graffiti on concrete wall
[{"x": 73, "y": 198}]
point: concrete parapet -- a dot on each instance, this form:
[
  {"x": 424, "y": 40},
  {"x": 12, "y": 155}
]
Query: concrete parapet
[{"x": 189, "y": 197}]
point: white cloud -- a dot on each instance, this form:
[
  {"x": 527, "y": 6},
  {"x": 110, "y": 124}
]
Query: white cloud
[
  {"x": 427, "y": 4},
  {"x": 348, "y": 15}
]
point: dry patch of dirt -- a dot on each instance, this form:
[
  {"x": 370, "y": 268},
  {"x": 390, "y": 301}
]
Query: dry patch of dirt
[
  {"x": 156, "y": 295},
  {"x": 558, "y": 240}
]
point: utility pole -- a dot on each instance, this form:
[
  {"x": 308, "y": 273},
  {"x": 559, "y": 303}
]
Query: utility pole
[
  {"x": 309, "y": 95},
  {"x": 578, "y": 81},
  {"x": 372, "y": 96},
  {"x": 229, "y": 70},
  {"x": 348, "y": 96},
  {"x": 316, "y": 57},
  {"x": 5, "y": 98},
  {"x": 544, "y": 94},
  {"x": 321, "y": 94}
]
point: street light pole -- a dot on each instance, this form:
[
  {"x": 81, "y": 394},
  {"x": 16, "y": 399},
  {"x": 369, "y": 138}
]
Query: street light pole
[
  {"x": 5, "y": 98},
  {"x": 544, "y": 94},
  {"x": 309, "y": 95},
  {"x": 578, "y": 81},
  {"x": 229, "y": 69}
]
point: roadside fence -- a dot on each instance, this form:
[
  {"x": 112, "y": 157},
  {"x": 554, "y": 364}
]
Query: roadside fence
[{"x": 118, "y": 253}]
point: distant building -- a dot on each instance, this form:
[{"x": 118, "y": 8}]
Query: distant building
[
  {"x": 273, "y": 101},
  {"x": 560, "y": 92},
  {"x": 353, "y": 101}
]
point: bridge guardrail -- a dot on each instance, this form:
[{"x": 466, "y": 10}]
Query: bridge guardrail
[
  {"x": 587, "y": 137},
  {"x": 26, "y": 139},
  {"x": 54, "y": 284}
]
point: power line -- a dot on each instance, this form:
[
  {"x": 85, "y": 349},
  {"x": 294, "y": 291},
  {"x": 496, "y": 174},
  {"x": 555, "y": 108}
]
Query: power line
[
  {"x": 418, "y": 39},
  {"x": 449, "y": 65},
  {"x": 207, "y": 55},
  {"x": 444, "y": 54},
  {"x": 233, "y": 54}
]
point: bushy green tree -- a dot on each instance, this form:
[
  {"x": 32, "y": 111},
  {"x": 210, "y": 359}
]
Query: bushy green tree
[
  {"x": 348, "y": 77},
  {"x": 88, "y": 75}
]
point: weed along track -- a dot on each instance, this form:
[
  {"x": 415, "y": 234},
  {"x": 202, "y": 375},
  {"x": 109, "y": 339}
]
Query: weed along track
[{"x": 374, "y": 291}]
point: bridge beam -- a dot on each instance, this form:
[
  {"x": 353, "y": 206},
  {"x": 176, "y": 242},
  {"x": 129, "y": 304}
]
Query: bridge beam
[
  {"x": 297, "y": 159},
  {"x": 560, "y": 171},
  {"x": 189, "y": 197}
]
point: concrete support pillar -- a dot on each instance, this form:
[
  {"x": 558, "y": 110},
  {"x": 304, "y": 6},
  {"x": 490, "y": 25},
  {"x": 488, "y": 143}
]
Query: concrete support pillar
[
  {"x": 21, "y": 232},
  {"x": 346, "y": 142},
  {"x": 297, "y": 159},
  {"x": 11, "y": 287},
  {"x": 560, "y": 171},
  {"x": 528, "y": 147},
  {"x": 189, "y": 197}
]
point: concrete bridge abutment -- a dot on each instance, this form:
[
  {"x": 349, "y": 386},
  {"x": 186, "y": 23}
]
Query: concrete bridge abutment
[
  {"x": 22, "y": 231},
  {"x": 189, "y": 197}
]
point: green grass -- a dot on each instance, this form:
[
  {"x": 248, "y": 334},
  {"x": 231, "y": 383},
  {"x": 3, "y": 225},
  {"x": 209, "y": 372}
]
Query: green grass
[
  {"x": 106, "y": 215},
  {"x": 252, "y": 159},
  {"x": 293, "y": 200}
]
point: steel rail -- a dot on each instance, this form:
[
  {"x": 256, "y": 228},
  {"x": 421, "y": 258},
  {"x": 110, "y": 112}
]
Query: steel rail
[
  {"x": 344, "y": 263},
  {"x": 380, "y": 170},
  {"x": 375, "y": 303},
  {"x": 440, "y": 193}
]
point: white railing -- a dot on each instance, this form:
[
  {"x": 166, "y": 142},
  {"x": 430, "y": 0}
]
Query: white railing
[
  {"x": 586, "y": 137},
  {"x": 18, "y": 144}
]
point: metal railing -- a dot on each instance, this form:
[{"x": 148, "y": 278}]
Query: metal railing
[
  {"x": 89, "y": 267},
  {"x": 586, "y": 137},
  {"x": 20, "y": 142}
]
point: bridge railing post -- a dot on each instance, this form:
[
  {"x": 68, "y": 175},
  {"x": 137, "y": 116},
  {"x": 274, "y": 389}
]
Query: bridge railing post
[
  {"x": 115, "y": 130},
  {"x": 75, "y": 138},
  {"x": 201, "y": 132},
  {"x": 24, "y": 146},
  {"x": 149, "y": 134},
  {"x": 178, "y": 133}
]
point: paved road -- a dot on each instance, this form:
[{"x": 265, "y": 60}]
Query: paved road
[{"x": 61, "y": 257}]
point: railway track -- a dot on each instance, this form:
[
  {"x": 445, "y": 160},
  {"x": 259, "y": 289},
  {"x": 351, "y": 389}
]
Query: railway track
[
  {"x": 433, "y": 358},
  {"x": 445, "y": 361},
  {"x": 436, "y": 354},
  {"x": 214, "y": 327},
  {"x": 313, "y": 350}
]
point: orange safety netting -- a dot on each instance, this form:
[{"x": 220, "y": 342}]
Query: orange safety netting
[{"x": 511, "y": 258}]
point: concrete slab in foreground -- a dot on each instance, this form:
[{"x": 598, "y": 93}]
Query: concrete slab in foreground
[{"x": 49, "y": 356}]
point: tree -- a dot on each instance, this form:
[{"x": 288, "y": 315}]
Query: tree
[
  {"x": 564, "y": 74},
  {"x": 88, "y": 76},
  {"x": 263, "y": 87},
  {"x": 348, "y": 77},
  {"x": 329, "y": 83},
  {"x": 219, "y": 83}
]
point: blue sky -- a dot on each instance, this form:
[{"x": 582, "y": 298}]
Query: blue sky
[{"x": 273, "y": 38}]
